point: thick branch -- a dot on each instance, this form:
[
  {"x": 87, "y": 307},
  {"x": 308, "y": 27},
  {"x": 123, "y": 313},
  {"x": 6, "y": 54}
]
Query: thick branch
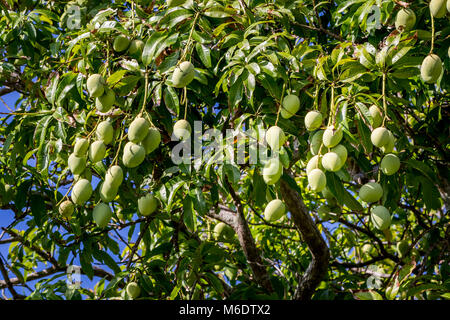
[
  {"x": 247, "y": 242},
  {"x": 320, "y": 255}
]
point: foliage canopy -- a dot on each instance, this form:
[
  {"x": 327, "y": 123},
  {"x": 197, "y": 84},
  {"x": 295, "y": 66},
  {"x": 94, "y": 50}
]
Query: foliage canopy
[{"x": 343, "y": 59}]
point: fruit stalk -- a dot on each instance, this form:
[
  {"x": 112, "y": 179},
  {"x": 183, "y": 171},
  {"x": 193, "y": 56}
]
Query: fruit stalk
[
  {"x": 280, "y": 104},
  {"x": 189, "y": 39},
  {"x": 432, "y": 32},
  {"x": 145, "y": 93},
  {"x": 332, "y": 117},
  {"x": 383, "y": 94},
  {"x": 116, "y": 157},
  {"x": 185, "y": 102}
]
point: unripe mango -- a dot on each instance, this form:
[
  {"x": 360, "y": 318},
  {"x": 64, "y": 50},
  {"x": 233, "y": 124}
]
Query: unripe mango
[
  {"x": 81, "y": 192},
  {"x": 313, "y": 120},
  {"x": 341, "y": 152},
  {"x": 316, "y": 142},
  {"x": 431, "y": 68},
  {"x": 136, "y": 47},
  {"x": 290, "y": 105},
  {"x": 387, "y": 148},
  {"x": 275, "y": 209},
  {"x": 81, "y": 147},
  {"x": 331, "y": 161},
  {"x": 390, "y": 164},
  {"x": 105, "y": 132},
  {"x": 380, "y": 137},
  {"x": 275, "y": 137},
  {"x": 114, "y": 175},
  {"x": 223, "y": 232},
  {"x": 86, "y": 174},
  {"x": 402, "y": 248},
  {"x": 66, "y": 209},
  {"x": 183, "y": 75},
  {"x": 371, "y": 192},
  {"x": 147, "y": 204},
  {"x": 95, "y": 85},
  {"x": 380, "y": 217},
  {"x": 152, "y": 140},
  {"x": 405, "y": 20},
  {"x": 272, "y": 171},
  {"x": 331, "y": 136},
  {"x": 121, "y": 43},
  {"x": 448, "y": 8},
  {"x": 97, "y": 151},
  {"x": 317, "y": 180},
  {"x": 76, "y": 164},
  {"x": 368, "y": 249},
  {"x": 133, "y": 155},
  {"x": 377, "y": 116},
  {"x": 313, "y": 163},
  {"x": 138, "y": 129},
  {"x": 133, "y": 290},
  {"x": 108, "y": 191},
  {"x": 438, "y": 8},
  {"x": 102, "y": 215},
  {"x": 182, "y": 129},
  {"x": 105, "y": 101}
]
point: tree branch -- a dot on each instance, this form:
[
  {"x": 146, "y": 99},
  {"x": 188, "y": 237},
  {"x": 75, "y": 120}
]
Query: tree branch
[
  {"x": 98, "y": 272},
  {"x": 320, "y": 255},
  {"x": 247, "y": 242},
  {"x": 8, "y": 283}
]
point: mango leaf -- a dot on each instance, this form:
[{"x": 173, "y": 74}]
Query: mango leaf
[
  {"x": 430, "y": 194},
  {"x": 188, "y": 214},
  {"x": 204, "y": 54},
  {"x": 336, "y": 187},
  {"x": 368, "y": 295},
  {"x": 364, "y": 133},
  {"x": 151, "y": 46},
  {"x": 173, "y": 192},
  {"x": 171, "y": 99},
  {"x": 38, "y": 210}
]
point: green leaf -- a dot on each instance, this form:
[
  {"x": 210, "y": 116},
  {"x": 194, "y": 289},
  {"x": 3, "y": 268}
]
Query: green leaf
[
  {"x": 116, "y": 77},
  {"x": 109, "y": 261},
  {"x": 200, "y": 202},
  {"x": 171, "y": 99},
  {"x": 422, "y": 168},
  {"x": 235, "y": 93},
  {"x": 188, "y": 214},
  {"x": 336, "y": 187},
  {"x": 173, "y": 192},
  {"x": 368, "y": 295},
  {"x": 430, "y": 194},
  {"x": 353, "y": 73},
  {"x": 204, "y": 54},
  {"x": 86, "y": 264},
  {"x": 215, "y": 282},
  {"x": 151, "y": 46},
  {"x": 364, "y": 133},
  {"x": 259, "y": 189},
  {"x": 38, "y": 210}
]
